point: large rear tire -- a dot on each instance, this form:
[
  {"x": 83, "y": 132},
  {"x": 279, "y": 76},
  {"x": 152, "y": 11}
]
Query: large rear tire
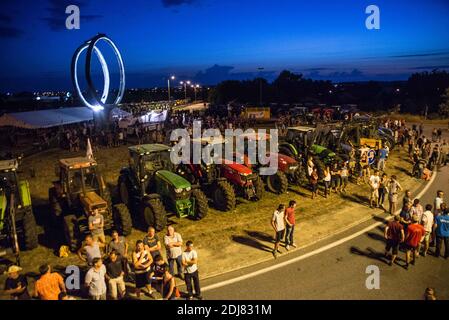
[
  {"x": 29, "y": 231},
  {"x": 201, "y": 205},
  {"x": 71, "y": 231},
  {"x": 277, "y": 183},
  {"x": 153, "y": 213},
  {"x": 122, "y": 218},
  {"x": 259, "y": 188},
  {"x": 223, "y": 196}
]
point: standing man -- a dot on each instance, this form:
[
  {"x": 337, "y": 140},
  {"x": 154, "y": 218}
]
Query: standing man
[
  {"x": 173, "y": 243},
  {"x": 417, "y": 209},
  {"x": 290, "y": 222},
  {"x": 90, "y": 250},
  {"x": 442, "y": 233},
  {"x": 427, "y": 222},
  {"x": 152, "y": 243},
  {"x": 382, "y": 159},
  {"x": 96, "y": 226},
  {"x": 277, "y": 222},
  {"x": 374, "y": 182},
  {"x": 393, "y": 188},
  {"x": 49, "y": 285},
  {"x": 438, "y": 201},
  {"x": 415, "y": 234},
  {"x": 190, "y": 263},
  {"x": 394, "y": 234},
  {"x": 114, "y": 275},
  {"x": 95, "y": 280}
]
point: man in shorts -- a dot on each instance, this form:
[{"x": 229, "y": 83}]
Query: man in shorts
[
  {"x": 394, "y": 234},
  {"x": 96, "y": 226},
  {"x": 374, "y": 182},
  {"x": 415, "y": 234},
  {"x": 427, "y": 222},
  {"x": 278, "y": 224}
]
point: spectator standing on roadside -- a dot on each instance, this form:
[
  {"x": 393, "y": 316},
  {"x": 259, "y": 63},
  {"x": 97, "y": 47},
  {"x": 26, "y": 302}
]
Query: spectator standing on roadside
[
  {"x": 91, "y": 250},
  {"x": 49, "y": 285},
  {"x": 406, "y": 217},
  {"x": 407, "y": 198},
  {"x": 314, "y": 182},
  {"x": 438, "y": 201},
  {"x": 417, "y": 209},
  {"x": 277, "y": 222},
  {"x": 382, "y": 159},
  {"x": 96, "y": 225},
  {"x": 383, "y": 190},
  {"x": 374, "y": 181},
  {"x": 344, "y": 176},
  {"x": 427, "y": 221},
  {"x": 394, "y": 234},
  {"x": 142, "y": 264},
  {"x": 115, "y": 275},
  {"x": 152, "y": 243},
  {"x": 442, "y": 233},
  {"x": 415, "y": 234},
  {"x": 16, "y": 285},
  {"x": 327, "y": 181},
  {"x": 95, "y": 280},
  {"x": 190, "y": 263},
  {"x": 173, "y": 243},
  {"x": 290, "y": 221}
]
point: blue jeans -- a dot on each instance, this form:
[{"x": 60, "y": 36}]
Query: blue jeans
[
  {"x": 289, "y": 235},
  {"x": 171, "y": 265}
]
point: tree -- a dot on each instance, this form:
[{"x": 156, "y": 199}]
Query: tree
[{"x": 444, "y": 107}]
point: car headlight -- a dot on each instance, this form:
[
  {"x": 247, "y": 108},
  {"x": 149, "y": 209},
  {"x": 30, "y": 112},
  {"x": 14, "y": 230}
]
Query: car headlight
[
  {"x": 188, "y": 189},
  {"x": 178, "y": 190}
]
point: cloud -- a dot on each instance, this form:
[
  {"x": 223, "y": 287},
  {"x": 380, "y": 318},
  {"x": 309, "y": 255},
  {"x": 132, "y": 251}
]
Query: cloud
[
  {"x": 175, "y": 3},
  {"x": 57, "y": 15},
  {"x": 429, "y": 54},
  {"x": 431, "y": 67},
  {"x": 10, "y": 32},
  {"x": 217, "y": 73}
]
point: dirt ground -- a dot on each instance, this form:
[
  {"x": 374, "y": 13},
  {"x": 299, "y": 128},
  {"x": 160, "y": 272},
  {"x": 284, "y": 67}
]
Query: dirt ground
[{"x": 224, "y": 240}]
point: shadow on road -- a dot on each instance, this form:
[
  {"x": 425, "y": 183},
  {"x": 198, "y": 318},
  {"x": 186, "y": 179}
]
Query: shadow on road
[
  {"x": 369, "y": 253},
  {"x": 254, "y": 239}
]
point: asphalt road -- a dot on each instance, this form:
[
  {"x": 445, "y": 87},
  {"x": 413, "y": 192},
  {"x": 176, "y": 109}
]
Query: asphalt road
[{"x": 340, "y": 272}]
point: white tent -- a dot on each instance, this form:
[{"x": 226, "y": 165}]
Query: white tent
[{"x": 46, "y": 118}]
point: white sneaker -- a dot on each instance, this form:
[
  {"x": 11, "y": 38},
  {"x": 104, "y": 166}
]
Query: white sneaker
[{"x": 287, "y": 247}]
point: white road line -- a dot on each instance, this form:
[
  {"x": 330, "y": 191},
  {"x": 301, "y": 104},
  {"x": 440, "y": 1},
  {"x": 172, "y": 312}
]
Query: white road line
[{"x": 312, "y": 253}]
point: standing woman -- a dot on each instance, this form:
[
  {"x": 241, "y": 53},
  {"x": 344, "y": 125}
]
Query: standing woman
[
  {"x": 382, "y": 191},
  {"x": 327, "y": 181},
  {"x": 142, "y": 261},
  {"x": 365, "y": 166},
  {"x": 314, "y": 182}
]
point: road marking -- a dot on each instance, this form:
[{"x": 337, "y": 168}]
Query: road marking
[{"x": 312, "y": 253}]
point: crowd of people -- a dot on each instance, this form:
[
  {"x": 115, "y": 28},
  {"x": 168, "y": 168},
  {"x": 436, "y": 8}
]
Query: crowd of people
[{"x": 112, "y": 269}]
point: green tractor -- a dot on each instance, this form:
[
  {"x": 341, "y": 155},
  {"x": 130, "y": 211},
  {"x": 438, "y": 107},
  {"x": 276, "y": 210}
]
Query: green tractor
[
  {"x": 80, "y": 190},
  {"x": 150, "y": 191},
  {"x": 18, "y": 228}
]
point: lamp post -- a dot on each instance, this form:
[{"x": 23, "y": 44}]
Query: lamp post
[
  {"x": 194, "y": 88},
  {"x": 168, "y": 82},
  {"x": 260, "y": 86},
  {"x": 185, "y": 83}
]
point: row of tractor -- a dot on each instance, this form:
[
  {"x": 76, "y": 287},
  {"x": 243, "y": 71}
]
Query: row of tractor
[{"x": 151, "y": 186}]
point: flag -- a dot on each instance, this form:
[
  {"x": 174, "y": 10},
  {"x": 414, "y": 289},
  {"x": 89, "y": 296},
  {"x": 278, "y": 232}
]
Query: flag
[{"x": 89, "y": 153}]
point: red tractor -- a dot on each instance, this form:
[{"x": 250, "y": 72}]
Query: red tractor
[
  {"x": 222, "y": 182},
  {"x": 288, "y": 169}
]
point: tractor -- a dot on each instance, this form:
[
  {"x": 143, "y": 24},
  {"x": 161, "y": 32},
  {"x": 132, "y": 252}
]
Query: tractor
[
  {"x": 301, "y": 142},
  {"x": 79, "y": 191},
  {"x": 288, "y": 169},
  {"x": 209, "y": 177},
  {"x": 149, "y": 190},
  {"x": 17, "y": 224}
]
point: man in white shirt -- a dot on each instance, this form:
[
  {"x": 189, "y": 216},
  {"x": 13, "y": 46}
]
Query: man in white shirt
[
  {"x": 374, "y": 182},
  {"x": 278, "y": 224},
  {"x": 190, "y": 263},
  {"x": 438, "y": 201},
  {"x": 427, "y": 222},
  {"x": 95, "y": 280}
]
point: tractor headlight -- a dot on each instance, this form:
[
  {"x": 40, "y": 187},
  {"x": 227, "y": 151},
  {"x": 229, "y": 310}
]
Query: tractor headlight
[
  {"x": 293, "y": 168},
  {"x": 188, "y": 189},
  {"x": 178, "y": 190}
]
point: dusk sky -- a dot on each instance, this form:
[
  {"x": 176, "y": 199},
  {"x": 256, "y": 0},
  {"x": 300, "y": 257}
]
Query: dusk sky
[{"x": 209, "y": 41}]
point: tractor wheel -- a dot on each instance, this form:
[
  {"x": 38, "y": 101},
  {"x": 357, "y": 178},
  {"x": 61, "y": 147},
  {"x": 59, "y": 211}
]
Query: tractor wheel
[
  {"x": 122, "y": 218},
  {"x": 123, "y": 185},
  {"x": 259, "y": 187},
  {"x": 70, "y": 231},
  {"x": 153, "y": 212},
  {"x": 287, "y": 152},
  {"x": 277, "y": 183},
  {"x": 319, "y": 166},
  {"x": 55, "y": 206},
  {"x": 29, "y": 231},
  {"x": 224, "y": 196},
  {"x": 201, "y": 205}
]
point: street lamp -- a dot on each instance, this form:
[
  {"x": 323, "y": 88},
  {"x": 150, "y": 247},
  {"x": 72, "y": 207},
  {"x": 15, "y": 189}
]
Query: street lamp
[
  {"x": 194, "y": 88},
  {"x": 168, "y": 82},
  {"x": 185, "y": 88}
]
